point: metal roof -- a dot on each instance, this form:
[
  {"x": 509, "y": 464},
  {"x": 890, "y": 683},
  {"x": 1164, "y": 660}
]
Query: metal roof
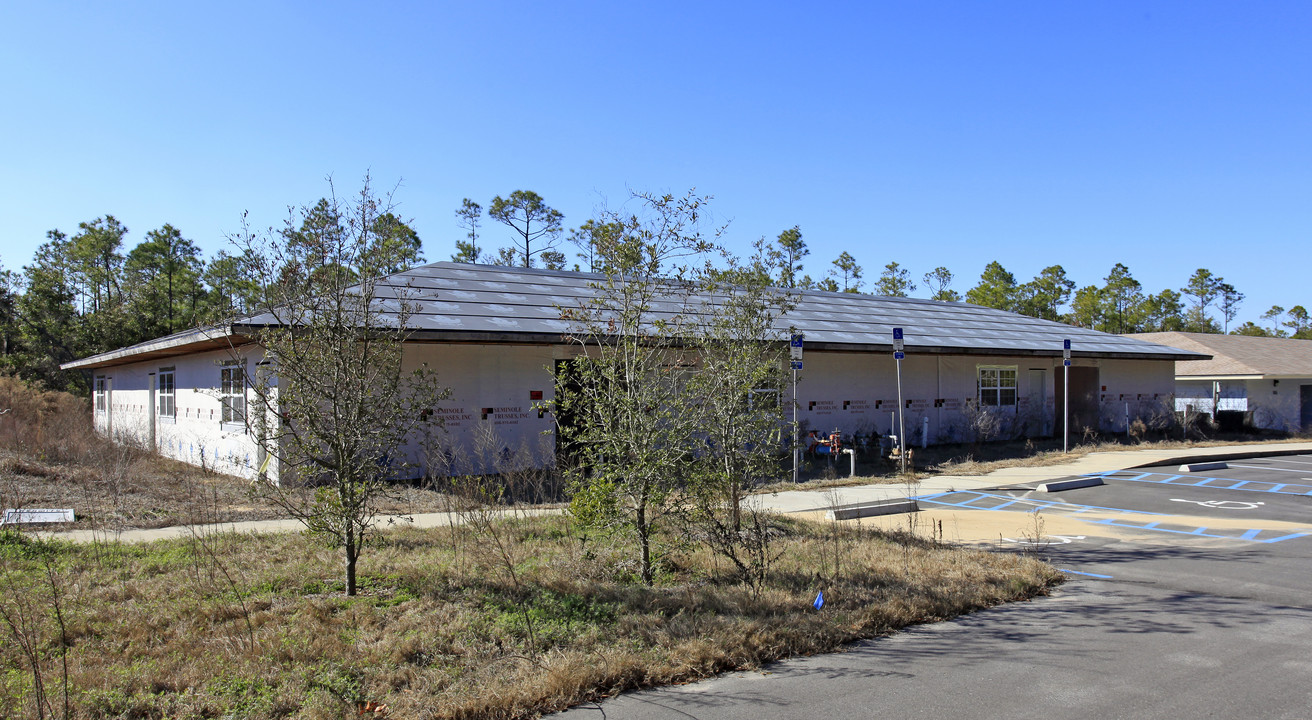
[{"x": 463, "y": 302}]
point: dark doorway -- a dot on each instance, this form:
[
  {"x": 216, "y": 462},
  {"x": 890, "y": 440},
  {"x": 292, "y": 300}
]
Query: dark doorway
[
  {"x": 1084, "y": 398},
  {"x": 568, "y": 386},
  {"x": 1305, "y": 407}
]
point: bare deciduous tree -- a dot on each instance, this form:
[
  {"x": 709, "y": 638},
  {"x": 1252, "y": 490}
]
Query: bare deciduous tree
[
  {"x": 332, "y": 399},
  {"x": 623, "y": 410}
]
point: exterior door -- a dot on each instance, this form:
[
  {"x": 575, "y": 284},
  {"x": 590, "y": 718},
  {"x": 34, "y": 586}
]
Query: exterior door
[
  {"x": 1037, "y": 420},
  {"x": 1083, "y": 395},
  {"x": 1305, "y": 407}
]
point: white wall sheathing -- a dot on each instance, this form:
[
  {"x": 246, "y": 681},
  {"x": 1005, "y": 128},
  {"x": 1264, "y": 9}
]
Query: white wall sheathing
[{"x": 499, "y": 394}]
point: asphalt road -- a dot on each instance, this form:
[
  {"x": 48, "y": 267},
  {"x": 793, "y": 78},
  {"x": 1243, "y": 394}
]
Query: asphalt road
[{"x": 1190, "y": 595}]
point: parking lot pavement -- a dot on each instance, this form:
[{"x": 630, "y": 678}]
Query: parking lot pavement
[
  {"x": 1189, "y": 594},
  {"x": 805, "y": 500}
]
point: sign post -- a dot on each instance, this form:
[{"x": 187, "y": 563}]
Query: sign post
[
  {"x": 1066, "y": 398},
  {"x": 901, "y": 411},
  {"x": 795, "y": 355}
]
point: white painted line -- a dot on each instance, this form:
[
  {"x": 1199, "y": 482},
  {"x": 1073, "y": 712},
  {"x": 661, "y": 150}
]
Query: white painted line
[
  {"x": 1281, "y": 459},
  {"x": 1223, "y": 504},
  {"x": 1265, "y": 467},
  {"x": 1046, "y": 540}
]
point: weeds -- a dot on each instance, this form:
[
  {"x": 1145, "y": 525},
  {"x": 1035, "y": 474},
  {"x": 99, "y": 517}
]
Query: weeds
[
  {"x": 1034, "y": 539},
  {"x": 426, "y": 640},
  {"x": 35, "y": 621}
]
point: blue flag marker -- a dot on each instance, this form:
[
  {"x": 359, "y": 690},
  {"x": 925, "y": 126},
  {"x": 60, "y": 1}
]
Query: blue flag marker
[{"x": 819, "y": 600}]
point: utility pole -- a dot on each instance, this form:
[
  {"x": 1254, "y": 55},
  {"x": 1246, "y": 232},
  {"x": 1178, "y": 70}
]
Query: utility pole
[
  {"x": 1066, "y": 398},
  {"x": 795, "y": 353},
  {"x": 901, "y": 411}
]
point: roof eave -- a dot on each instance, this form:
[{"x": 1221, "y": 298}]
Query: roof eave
[
  {"x": 1245, "y": 376},
  {"x": 200, "y": 339},
  {"x": 532, "y": 338}
]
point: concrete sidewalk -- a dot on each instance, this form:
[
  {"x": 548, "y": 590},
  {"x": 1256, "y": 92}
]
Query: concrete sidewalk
[
  {"x": 420, "y": 520},
  {"x": 810, "y": 500}
]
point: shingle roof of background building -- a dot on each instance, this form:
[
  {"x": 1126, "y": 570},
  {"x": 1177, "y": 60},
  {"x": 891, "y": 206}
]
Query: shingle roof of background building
[
  {"x": 1237, "y": 354},
  {"x": 457, "y": 301}
]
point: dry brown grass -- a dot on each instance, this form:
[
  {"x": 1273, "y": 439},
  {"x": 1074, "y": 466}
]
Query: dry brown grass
[{"x": 254, "y": 626}]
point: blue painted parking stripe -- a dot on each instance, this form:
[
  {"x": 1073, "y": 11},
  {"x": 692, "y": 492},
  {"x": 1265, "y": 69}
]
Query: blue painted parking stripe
[
  {"x": 963, "y": 503},
  {"x": 1036, "y": 502},
  {"x": 1218, "y": 483},
  {"x": 1291, "y": 536},
  {"x": 1086, "y": 574},
  {"x": 1249, "y": 535},
  {"x": 949, "y": 499}
]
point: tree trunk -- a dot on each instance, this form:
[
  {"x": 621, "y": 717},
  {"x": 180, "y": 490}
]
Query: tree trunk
[
  {"x": 644, "y": 540},
  {"x": 351, "y": 556}
]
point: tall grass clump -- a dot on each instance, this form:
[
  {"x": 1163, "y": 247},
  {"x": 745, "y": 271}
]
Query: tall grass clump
[{"x": 51, "y": 425}]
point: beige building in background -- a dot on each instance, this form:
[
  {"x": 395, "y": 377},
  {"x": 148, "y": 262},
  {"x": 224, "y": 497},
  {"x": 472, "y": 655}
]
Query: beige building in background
[{"x": 1268, "y": 379}]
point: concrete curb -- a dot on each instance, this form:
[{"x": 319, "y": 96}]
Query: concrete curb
[
  {"x": 1203, "y": 466},
  {"x": 1202, "y": 457},
  {"x": 1060, "y": 485},
  {"x": 887, "y": 507}
]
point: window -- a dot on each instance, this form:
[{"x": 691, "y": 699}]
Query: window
[
  {"x": 168, "y": 407},
  {"x": 997, "y": 385},
  {"x": 101, "y": 395},
  {"x": 764, "y": 400},
  {"x": 232, "y": 393}
]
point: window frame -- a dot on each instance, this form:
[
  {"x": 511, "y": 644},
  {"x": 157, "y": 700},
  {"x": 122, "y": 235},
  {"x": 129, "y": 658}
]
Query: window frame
[
  {"x": 232, "y": 395},
  {"x": 101, "y": 395},
  {"x": 997, "y": 393},
  {"x": 166, "y": 401}
]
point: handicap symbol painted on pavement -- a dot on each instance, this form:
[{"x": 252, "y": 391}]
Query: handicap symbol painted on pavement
[
  {"x": 1222, "y": 504},
  {"x": 1046, "y": 540}
]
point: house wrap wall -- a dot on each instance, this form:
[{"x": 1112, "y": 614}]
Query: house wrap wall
[
  {"x": 197, "y": 435},
  {"x": 492, "y": 411},
  {"x": 857, "y": 393},
  {"x": 1133, "y": 389}
]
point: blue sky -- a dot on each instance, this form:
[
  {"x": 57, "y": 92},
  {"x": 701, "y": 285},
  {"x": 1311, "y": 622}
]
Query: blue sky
[{"x": 1164, "y": 135}]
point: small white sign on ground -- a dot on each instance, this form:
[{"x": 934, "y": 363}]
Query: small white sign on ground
[{"x": 26, "y": 516}]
